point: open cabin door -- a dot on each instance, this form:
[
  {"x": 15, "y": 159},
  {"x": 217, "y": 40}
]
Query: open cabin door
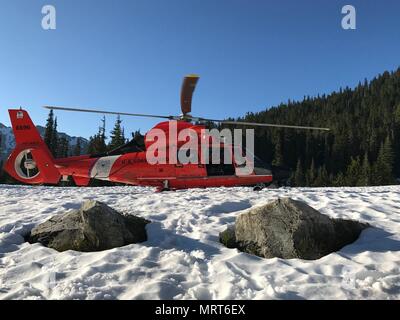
[{"x": 224, "y": 168}]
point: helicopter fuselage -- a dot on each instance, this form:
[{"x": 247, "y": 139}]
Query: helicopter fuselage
[{"x": 128, "y": 164}]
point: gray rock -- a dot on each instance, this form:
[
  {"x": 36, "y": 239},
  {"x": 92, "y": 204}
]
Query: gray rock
[
  {"x": 289, "y": 229},
  {"x": 228, "y": 237},
  {"x": 93, "y": 227}
]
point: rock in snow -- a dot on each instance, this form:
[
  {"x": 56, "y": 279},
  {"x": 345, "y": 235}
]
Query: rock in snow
[
  {"x": 289, "y": 229},
  {"x": 182, "y": 259},
  {"x": 228, "y": 237},
  {"x": 93, "y": 227}
]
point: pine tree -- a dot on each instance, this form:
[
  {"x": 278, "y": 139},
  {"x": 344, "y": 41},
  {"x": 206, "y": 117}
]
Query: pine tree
[
  {"x": 397, "y": 114},
  {"x": 322, "y": 179},
  {"x": 117, "y": 138},
  {"x": 139, "y": 138},
  {"x": 77, "y": 149},
  {"x": 311, "y": 175},
  {"x": 384, "y": 164},
  {"x": 49, "y": 132},
  {"x": 340, "y": 180},
  {"x": 62, "y": 147},
  {"x": 54, "y": 140},
  {"x": 365, "y": 174},
  {"x": 353, "y": 172},
  {"x": 97, "y": 143},
  {"x": 102, "y": 133},
  {"x": 92, "y": 145},
  {"x": 299, "y": 178},
  {"x": 278, "y": 158},
  {"x": 123, "y": 136}
]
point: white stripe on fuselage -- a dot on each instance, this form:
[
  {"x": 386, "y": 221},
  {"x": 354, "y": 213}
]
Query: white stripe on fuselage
[{"x": 102, "y": 167}]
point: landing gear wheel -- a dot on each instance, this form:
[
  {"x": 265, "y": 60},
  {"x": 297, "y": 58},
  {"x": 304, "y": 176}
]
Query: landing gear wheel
[
  {"x": 259, "y": 187},
  {"x": 165, "y": 186}
]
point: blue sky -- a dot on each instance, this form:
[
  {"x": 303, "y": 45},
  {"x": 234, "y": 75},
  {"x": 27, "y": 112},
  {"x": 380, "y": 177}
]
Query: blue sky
[{"x": 131, "y": 55}]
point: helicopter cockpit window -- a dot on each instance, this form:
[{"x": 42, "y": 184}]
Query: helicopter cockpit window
[{"x": 131, "y": 146}]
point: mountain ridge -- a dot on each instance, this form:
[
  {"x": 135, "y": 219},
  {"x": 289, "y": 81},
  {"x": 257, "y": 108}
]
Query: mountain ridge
[{"x": 7, "y": 140}]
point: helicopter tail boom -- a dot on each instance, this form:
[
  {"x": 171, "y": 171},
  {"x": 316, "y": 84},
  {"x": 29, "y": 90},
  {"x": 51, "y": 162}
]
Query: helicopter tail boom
[{"x": 31, "y": 161}]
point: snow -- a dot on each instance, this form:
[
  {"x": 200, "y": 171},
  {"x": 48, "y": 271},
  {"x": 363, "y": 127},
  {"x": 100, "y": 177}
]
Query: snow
[{"x": 184, "y": 260}]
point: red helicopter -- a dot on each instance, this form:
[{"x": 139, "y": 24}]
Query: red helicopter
[{"x": 31, "y": 162}]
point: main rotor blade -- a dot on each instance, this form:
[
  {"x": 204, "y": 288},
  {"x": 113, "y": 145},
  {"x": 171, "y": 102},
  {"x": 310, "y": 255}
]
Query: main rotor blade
[
  {"x": 110, "y": 112},
  {"x": 188, "y": 117},
  {"x": 256, "y": 124},
  {"x": 188, "y": 86}
]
